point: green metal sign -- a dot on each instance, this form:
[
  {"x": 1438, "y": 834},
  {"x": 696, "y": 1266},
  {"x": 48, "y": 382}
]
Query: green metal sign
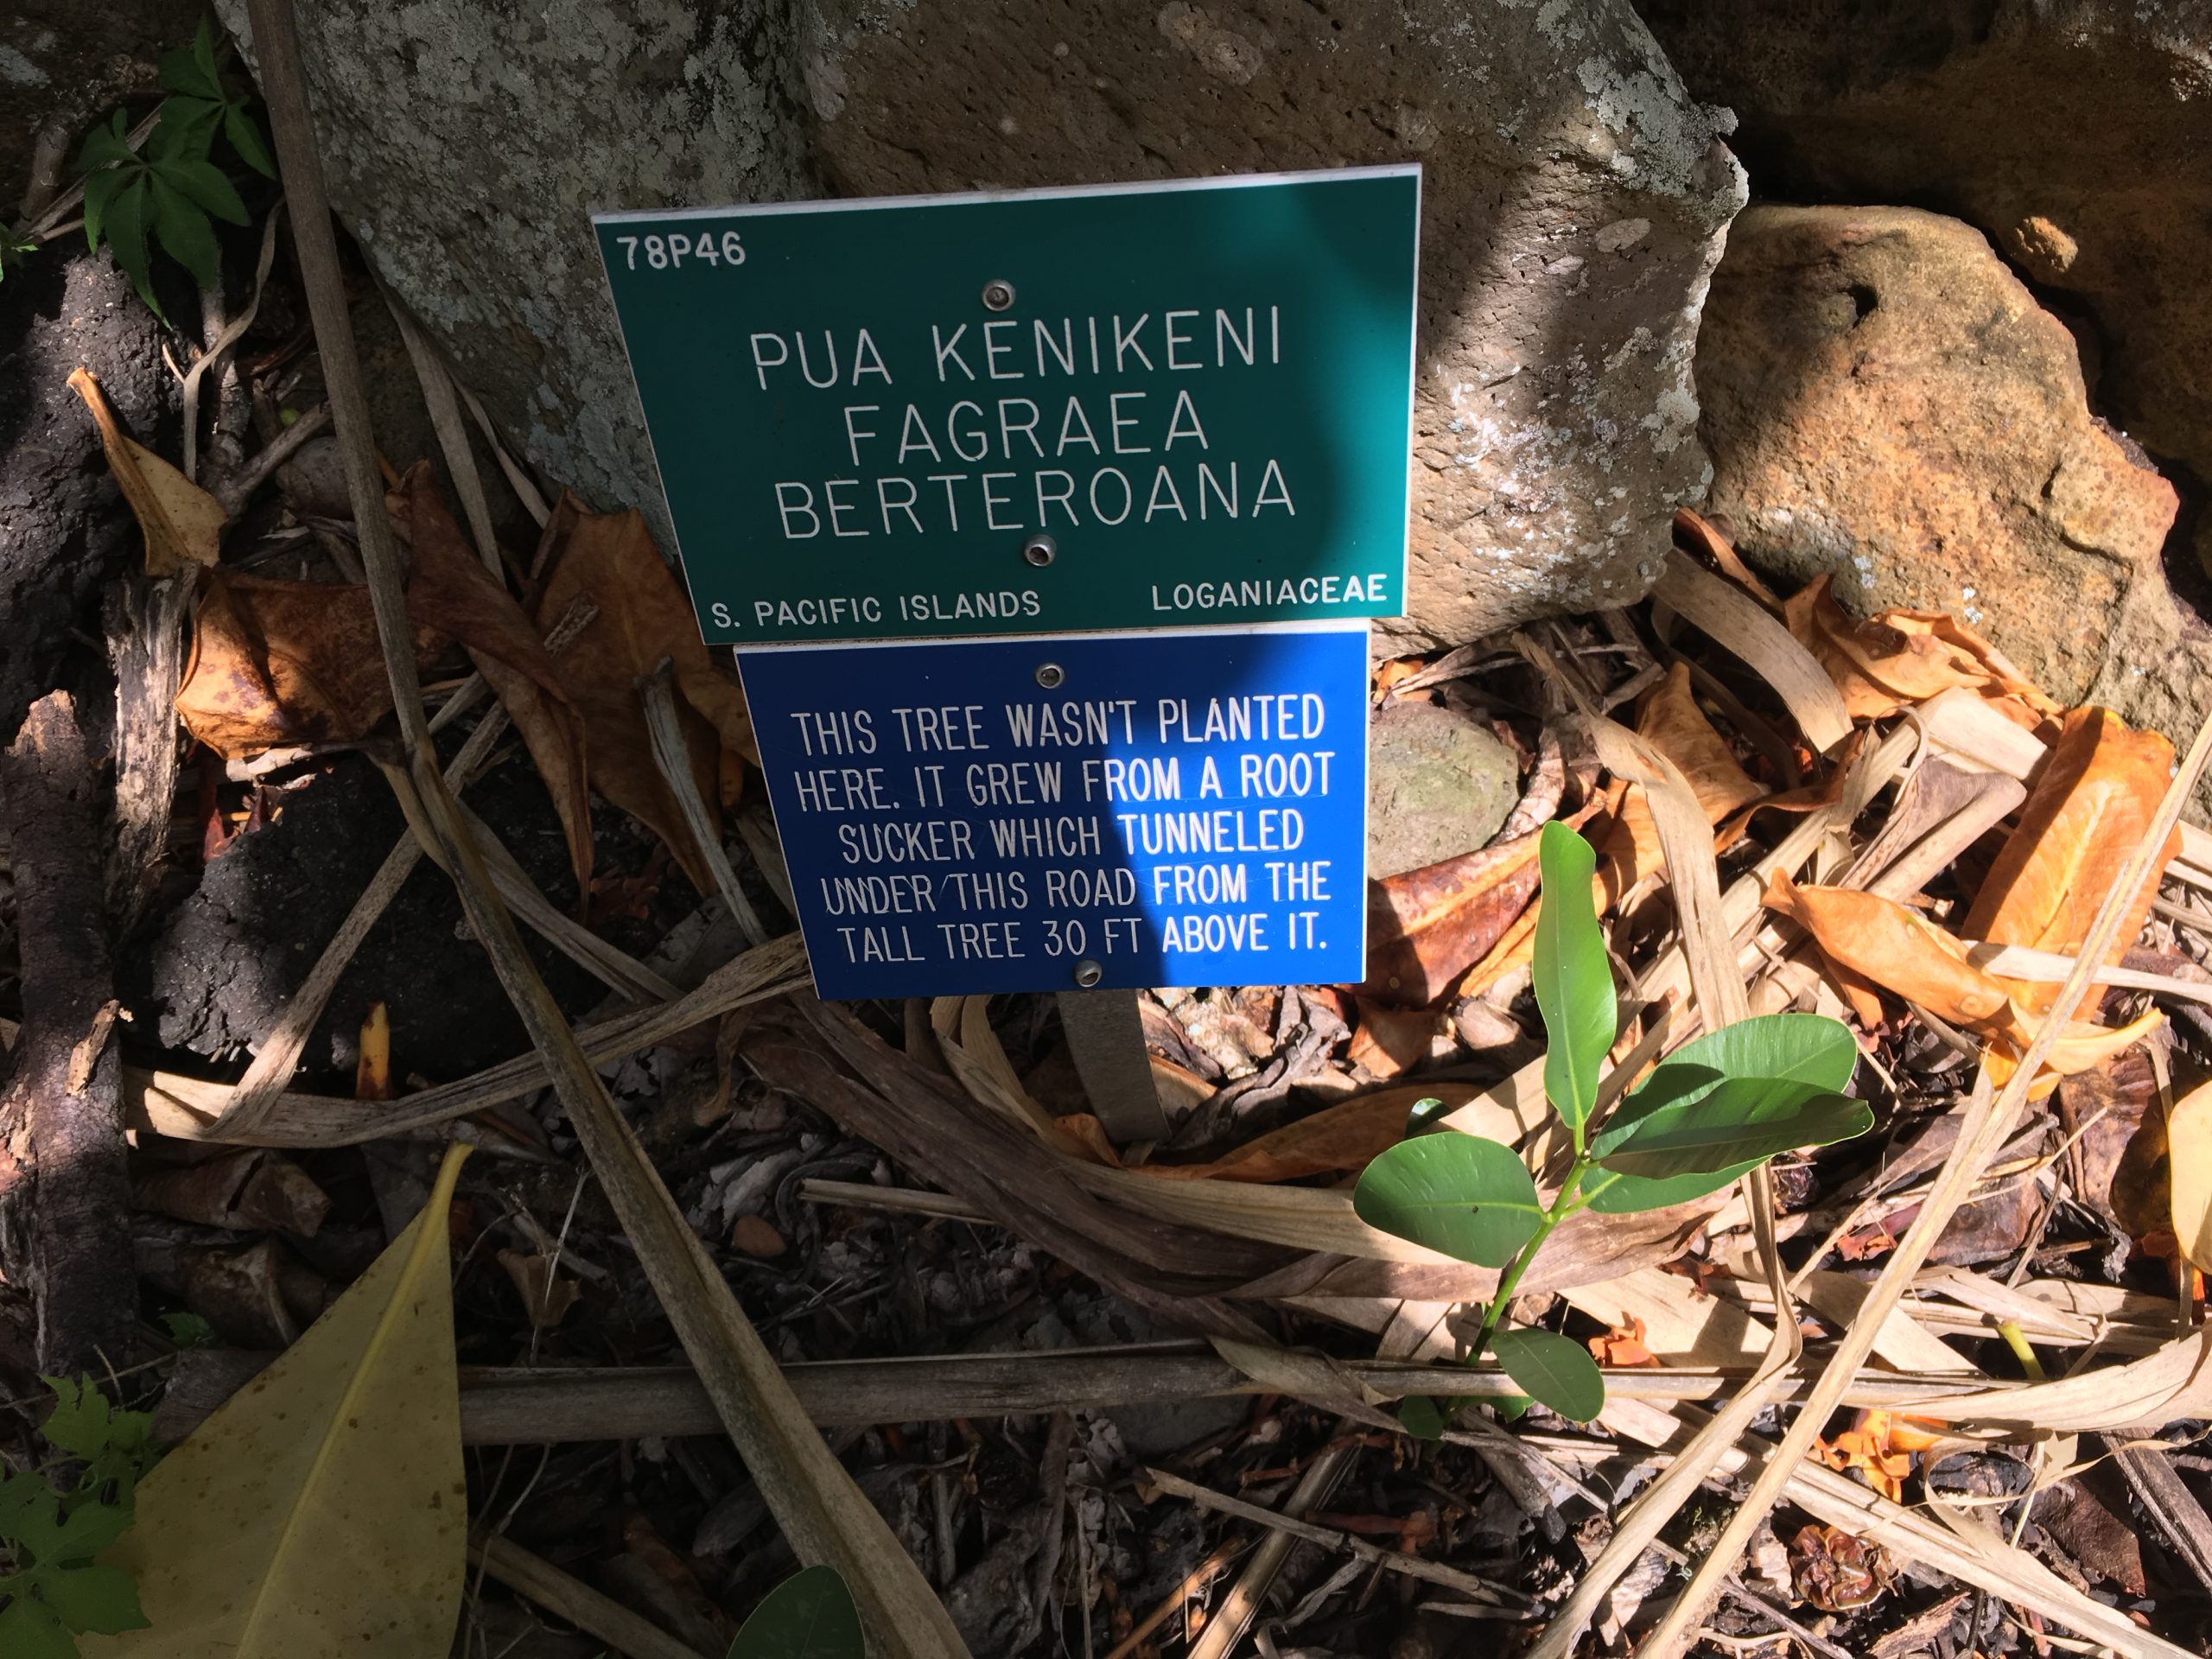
[{"x": 1122, "y": 407}]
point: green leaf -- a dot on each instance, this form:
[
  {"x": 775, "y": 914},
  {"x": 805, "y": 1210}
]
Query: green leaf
[
  {"x": 204, "y": 186},
  {"x": 185, "y": 131},
  {"x": 27, "y": 1502},
  {"x": 1804, "y": 1052},
  {"x": 192, "y": 70},
  {"x": 126, "y": 235},
  {"x": 1461, "y": 1194},
  {"x": 1426, "y": 1116},
  {"x": 246, "y": 138},
  {"x": 1556, "y": 1370},
  {"x": 1423, "y": 1418},
  {"x": 1574, "y": 981},
  {"x": 100, "y": 189},
  {"x": 86, "y": 1532},
  {"x": 1792, "y": 1047},
  {"x": 107, "y": 146},
  {"x": 188, "y": 1330},
  {"x": 30, "y": 1629},
  {"x": 809, "y": 1615},
  {"x": 184, "y": 230},
  {"x": 104, "y": 1599},
  {"x": 1738, "y": 1122}
]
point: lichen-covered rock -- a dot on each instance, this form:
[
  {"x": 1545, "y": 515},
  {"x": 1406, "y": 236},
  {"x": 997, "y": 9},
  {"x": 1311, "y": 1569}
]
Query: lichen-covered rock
[
  {"x": 2073, "y": 133},
  {"x": 1887, "y": 403},
  {"x": 1574, "y": 204},
  {"x": 1439, "y": 783}
]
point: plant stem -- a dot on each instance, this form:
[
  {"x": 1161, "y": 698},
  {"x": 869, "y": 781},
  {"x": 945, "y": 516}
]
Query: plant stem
[{"x": 1561, "y": 1208}]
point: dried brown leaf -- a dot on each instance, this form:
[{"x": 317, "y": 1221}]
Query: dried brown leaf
[
  {"x": 279, "y": 663},
  {"x": 450, "y": 589},
  {"x": 643, "y": 617},
  {"x": 1427, "y": 927},
  {"x": 546, "y": 1296},
  {"x": 183, "y": 523}
]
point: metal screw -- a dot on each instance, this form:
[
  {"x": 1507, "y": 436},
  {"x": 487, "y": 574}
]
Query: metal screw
[
  {"x": 1050, "y": 675},
  {"x": 1088, "y": 974},
  {"x": 1039, "y": 549},
  {"x": 998, "y": 294}
]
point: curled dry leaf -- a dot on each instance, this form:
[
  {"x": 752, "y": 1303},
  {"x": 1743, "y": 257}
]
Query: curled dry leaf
[
  {"x": 546, "y": 1296},
  {"x": 449, "y": 588},
  {"x": 1875, "y": 942},
  {"x": 1869, "y": 1449},
  {"x": 1883, "y": 663},
  {"x": 373, "y": 1070},
  {"x": 2091, "y": 805},
  {"x": 1427, "y": 927},
  {"x": 183, "y": 523},
  {"x": 643, "y": 618},
  {"x": 2188, "y": 1166}
]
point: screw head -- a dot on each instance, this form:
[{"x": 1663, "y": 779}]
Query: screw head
[
  {"x": 998, "y": 294},
  {"x": 1051, "y": 676},
  {"x": 1039, "y": 550},
  {"x": 1088, "y": 974}
]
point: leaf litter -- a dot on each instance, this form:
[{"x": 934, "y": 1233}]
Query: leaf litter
[{"x": 880, "y": 1185}]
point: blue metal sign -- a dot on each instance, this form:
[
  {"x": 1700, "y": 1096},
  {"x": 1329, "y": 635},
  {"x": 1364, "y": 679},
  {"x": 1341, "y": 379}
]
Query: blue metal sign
[{"x": 1169, "y": 808}]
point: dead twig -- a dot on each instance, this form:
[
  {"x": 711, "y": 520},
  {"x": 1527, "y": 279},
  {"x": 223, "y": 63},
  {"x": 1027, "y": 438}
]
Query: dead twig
[
  {"x": 573, "y": 1599},
  {"x": 64, "y": 1192}
]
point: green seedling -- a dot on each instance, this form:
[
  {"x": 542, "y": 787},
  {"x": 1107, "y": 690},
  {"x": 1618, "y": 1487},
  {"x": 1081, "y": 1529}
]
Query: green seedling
[
  {"x": 53, "y": 1589},
  {"x": 1719, "y": 1106},
  {"x": 169, "y": 193}
]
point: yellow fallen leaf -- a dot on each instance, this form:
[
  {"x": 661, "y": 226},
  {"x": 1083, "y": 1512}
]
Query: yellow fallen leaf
[
  {"x": 2188, "y": 1153},
  {"x": 322, "y": 1510},
  {"x": 182, "y": 522}
]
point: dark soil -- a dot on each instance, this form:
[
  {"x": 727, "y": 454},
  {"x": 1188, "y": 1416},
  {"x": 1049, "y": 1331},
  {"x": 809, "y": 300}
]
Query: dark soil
[
  {"x": 64, "y": 532},
  {"x": 234, "y": 950}
]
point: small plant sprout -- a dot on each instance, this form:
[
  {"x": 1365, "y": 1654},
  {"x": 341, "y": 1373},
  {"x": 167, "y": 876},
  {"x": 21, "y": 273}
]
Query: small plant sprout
[
  {"x": 169, "y": 193},
  {"x": 1721, "y": 1105}
]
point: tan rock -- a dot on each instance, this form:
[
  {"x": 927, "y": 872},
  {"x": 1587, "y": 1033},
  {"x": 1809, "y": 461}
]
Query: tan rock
[
  {"x": 1884, "y": 401},
  {"x": 2073, "y": 133}
]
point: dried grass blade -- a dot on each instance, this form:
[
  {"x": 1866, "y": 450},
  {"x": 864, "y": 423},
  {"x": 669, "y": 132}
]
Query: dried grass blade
[{"x": 1738, "y": 623}]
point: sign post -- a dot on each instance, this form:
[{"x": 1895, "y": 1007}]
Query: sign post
[{"x": 1107, "y": 479}]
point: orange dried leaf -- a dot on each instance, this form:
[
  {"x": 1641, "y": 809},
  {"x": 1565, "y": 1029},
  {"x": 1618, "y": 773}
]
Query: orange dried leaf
[
  {"x": 1867, "y": 1449},
  {"x": 1622, "y": 1347},
  {"x": 1390, "y": 1041},
  {"x": 1888, "y": 945},
  {"x": 2091, "y": 806},
  {"x": 1672, "y": 722},
  {"x": 276, "y": 664},
  {"x": 1883, "y": 663}
]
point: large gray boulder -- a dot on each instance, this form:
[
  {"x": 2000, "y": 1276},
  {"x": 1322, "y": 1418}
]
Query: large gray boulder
[{"x": 1575, "y": 203}]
